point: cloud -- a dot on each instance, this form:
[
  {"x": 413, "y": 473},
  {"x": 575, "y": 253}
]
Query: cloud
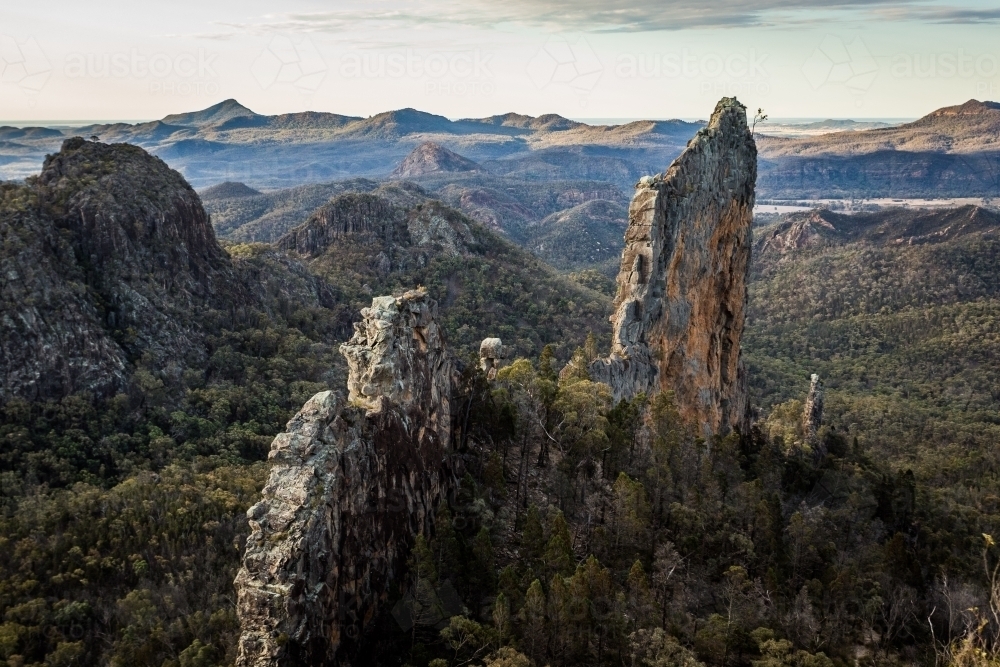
[
  {"x": 956, "y": 15},
  {"x": 606, "y": 15}
]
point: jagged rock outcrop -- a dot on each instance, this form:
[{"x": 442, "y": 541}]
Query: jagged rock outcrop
[
  {"x": 889, "y": 227},
  {"x": 107, "y": 261},
  {"x": 351, "y": 484},
  {"x": 812, "y": 411},
  {"x": 348, "y": 214},
  {"x": 397, "y": 220},
  {"x": 807, "y": 230},
  {"x": 682, "y": 287}
]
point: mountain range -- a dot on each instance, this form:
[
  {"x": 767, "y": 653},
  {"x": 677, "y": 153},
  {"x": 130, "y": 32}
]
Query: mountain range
[{"x": 953, "y": 151}]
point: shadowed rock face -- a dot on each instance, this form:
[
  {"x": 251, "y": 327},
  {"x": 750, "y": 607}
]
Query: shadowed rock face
[
  {"x": 682, "y": 286},
  {"x": 351, "y": 485},
  {"x": 104, "y": 258}
]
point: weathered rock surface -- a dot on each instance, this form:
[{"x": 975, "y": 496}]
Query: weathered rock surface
[
  {"x": 889, "y": 227},
  {"x": 810, "y": 230},
  {"x": 812, "y": 411},
  {"x": 682, "y": 287},
  {"x": 107, "y": 253},
  {"x": 351, "y": 485},
  {"x": 396, "y": 219}
]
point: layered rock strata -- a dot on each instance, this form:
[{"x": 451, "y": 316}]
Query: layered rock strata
[
  {"x": 682, "y": 287},
  {"x": 351, "y": 484}
]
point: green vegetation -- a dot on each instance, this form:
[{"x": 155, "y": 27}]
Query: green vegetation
[
  {"x": 137, "y": 574},
  {"x": 905, "y": 339},
  {"x": 583, "y": 533},
  {"x": 609, "y": 551},
  {"x": 584, "y": 237}
]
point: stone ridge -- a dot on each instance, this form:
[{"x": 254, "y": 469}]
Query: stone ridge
[
  {"x": 682, "y": 287},
  {"x": 351, "y": 485},
  {"x": 393, "y": 218}
]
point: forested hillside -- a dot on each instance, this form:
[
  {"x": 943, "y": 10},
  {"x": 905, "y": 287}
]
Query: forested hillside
[
  {"x": 898, "y": 312},
  {"x": 165, "y": 392}
]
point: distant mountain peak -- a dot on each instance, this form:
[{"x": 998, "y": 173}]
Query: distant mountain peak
[
  {"x": 228, "y": 190},
  {"x": 549, "y": 122},
  {"x": 213, "y": 115},
  {"x": 430, "y": 157}
]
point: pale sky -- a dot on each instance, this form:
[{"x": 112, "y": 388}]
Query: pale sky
[{"x": 471, "y": 58}]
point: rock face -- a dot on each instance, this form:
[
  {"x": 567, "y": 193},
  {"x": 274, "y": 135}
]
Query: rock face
[
  {"x": 812, "y": 412},
  {"x": 430, "y": 158},
  {"x": 342, "y": 216},
  {"x": 108, "y": 261},
  {"x": 396, "y": 220},
  {"x": 811, "y": 230},
  {"x": 682, "y": 287},
  {"x": 890, "y": 227},
  {"x": 351, "y": 485}
]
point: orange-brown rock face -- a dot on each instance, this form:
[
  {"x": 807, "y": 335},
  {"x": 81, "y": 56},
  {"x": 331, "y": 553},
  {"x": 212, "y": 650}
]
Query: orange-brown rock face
[{"x": 682, "y": 287}]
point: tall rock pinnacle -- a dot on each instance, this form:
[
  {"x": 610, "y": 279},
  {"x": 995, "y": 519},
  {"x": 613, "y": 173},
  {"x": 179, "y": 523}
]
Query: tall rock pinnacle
[
  {"x": 682, "y": 288},
  {"x": 351, "y": 485},
  {"x": 812, "y": 411}
]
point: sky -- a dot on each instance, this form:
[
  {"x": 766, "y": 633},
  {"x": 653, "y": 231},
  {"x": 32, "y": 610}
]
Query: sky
[{"x": 607, "y": 59}]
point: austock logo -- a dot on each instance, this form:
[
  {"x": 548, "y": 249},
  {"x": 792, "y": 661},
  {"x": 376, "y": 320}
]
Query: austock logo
[
  {"x": 180, "y": 74},
  {"x": 836, "y": 62},
  {"x": 733, "y": 73},
  {"x": 445, "y": 73},
  {"x": 23, "y": 63},
  {"x": 294, "y": 62},
  {"x": 559, "y": 62}
]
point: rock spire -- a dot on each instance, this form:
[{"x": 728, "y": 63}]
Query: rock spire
[
  {"x": 682, "y": 287},
  {"x": 351, "y": 485},
  {"x": 812, "y": 412}
]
